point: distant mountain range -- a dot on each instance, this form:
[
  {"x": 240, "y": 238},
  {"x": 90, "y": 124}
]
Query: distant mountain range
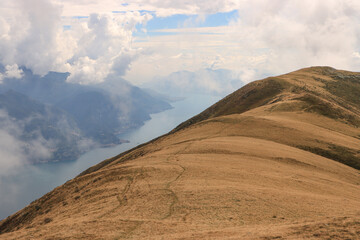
[
  {"x": 219, "y": 82},
  {"x": 70, "y": 118}
]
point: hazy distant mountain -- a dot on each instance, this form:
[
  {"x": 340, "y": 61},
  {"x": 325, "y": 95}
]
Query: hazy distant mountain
[
  {"x": 218, "y": 82},
  {"x": 162, "y": 96},
  {"x": 50, "y": 89},
  {"x": 97, "y": 113},
  {"x": 132, "y": 102}
]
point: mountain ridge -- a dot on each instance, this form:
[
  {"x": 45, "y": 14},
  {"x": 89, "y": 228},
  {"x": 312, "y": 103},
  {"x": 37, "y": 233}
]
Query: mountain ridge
[
  {"x": 277, "y": 159},
  {"x": 269, "y": 87},
  {"x": 245, "y": 93}
]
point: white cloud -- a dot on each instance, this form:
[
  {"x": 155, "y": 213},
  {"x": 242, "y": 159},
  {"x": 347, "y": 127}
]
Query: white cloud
[
  {"x": 356, "y": 54},
  {"x": 189, "y": 49},
  {"x": 15, "y": 152},
  {"x": 11, "y": 153},
  {"x": 161, "y": 8},
  {"x": 32, "y": 35},
  {"x": 29, "y": 35},
  {"x": 11, "y": 149},
  {"x": 300, "y": 33},
  {"x": 269, "y": 37},
  {"x": 13, "y": 71},
  {"x": 104, "y": 46}
]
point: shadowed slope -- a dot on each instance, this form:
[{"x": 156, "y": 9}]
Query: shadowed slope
[{"x": 259, "y": 164}]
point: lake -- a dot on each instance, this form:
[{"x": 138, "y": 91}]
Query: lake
[{"x": 31, "y": 182}]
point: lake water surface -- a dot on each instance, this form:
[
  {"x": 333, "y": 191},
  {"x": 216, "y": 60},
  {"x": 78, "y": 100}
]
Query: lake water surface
[{"x": 31, "y": 182}]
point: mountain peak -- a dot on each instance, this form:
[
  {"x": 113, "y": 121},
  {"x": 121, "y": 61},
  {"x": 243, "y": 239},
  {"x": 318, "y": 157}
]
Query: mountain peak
[{"x": 328, "y": 91}]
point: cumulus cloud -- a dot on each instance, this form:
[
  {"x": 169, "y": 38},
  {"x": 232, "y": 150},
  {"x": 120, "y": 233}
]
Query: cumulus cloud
[
  {"x": 161, "y": 8},
  {"x": 29, "y": 35},
  {"x": 170, "y": 7},
  {"x": 274, "y": 36},
  {"x": 11, "y": 151},
  {"x": 16, "y": 152},
  {"x": 32, "y": 34},
  {"x": 291, "y": 34},
  {"x": 103, "y": 46},
  {"x": 266, "y": 38},
  {"x": 13, "y": 71}
]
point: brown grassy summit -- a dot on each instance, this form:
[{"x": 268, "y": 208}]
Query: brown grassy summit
[
  {"x": 323, "y": 90},
  {"x": 277, "y": 159}
]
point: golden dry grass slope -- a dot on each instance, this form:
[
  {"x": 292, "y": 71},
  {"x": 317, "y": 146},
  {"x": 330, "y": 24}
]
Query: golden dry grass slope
[{"x": 277, "y": 159}]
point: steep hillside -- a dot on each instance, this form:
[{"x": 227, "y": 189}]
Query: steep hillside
[
  {"x": 277, "y": 159},
  {"x": 322, "y": 91}
]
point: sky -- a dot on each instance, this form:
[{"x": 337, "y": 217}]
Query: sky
[{"x": 147, "y": 40}]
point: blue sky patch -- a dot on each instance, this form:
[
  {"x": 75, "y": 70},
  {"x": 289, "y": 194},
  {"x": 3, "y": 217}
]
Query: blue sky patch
[
  {"x": 66, "y": 27},
  {"x": 219, "y": 19},
  {"x": 118, "y": 11},
  {"x": 183, "y": 21},
  {"x": 80, "y": 17}
]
